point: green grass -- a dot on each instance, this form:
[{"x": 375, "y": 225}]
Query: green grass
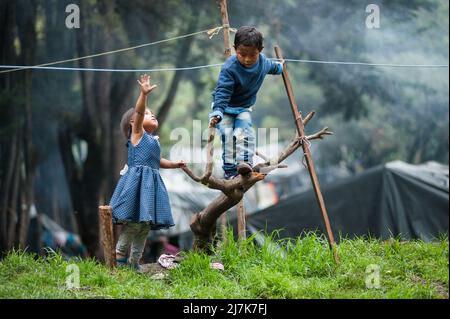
[{"x": 301, "y": 268}]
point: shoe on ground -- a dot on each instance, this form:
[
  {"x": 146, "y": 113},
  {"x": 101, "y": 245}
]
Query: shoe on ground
[
  {"x": 122, "y": 262},
  {"x": 137, "y": 268}
]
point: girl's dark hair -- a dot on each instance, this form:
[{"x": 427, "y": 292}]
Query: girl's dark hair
[
  {"x": 248, "y": 36},
  {"x": 125, "y": 123}
]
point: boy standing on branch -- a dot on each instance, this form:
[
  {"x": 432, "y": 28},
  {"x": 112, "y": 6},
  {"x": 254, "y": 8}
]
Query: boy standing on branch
[{"x": 239, "y": 81}]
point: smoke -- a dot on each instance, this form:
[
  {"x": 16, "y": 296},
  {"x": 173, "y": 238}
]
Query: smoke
[{"x": 405, "y": 108}]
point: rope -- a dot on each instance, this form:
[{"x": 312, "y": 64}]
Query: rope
[
  {"x": 304, "y": 140},
  {"x": 23, "y": 67},
  {"x": 43, "y": 67},
  {"x": 370, "y": 64},
  {"x": 215, "y": 31},
  {"x": 211, "y": 32}
]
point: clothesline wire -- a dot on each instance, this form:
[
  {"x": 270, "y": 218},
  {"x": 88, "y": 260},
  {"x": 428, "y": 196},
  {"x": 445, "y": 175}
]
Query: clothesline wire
[
  {"x": 20, "y": 67},
  {"x": 23, "y": 67},
  {"x": 210, "y": 32},
  {"x": 371, "y": 64}
]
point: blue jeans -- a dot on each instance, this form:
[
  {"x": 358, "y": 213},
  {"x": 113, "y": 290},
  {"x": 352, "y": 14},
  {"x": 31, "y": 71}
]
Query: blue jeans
[{"x": 238, "y": 140}]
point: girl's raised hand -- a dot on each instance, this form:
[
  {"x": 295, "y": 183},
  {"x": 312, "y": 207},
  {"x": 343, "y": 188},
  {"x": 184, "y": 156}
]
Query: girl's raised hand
[{"x": 146, "y": 86}]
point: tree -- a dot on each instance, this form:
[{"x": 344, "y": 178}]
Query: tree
[
  {"x": 17, "y": 169},
  {"x": 203, "y": 223}
]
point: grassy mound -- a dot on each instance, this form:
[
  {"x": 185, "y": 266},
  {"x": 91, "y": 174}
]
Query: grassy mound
[{"x": 300, "y": 268}]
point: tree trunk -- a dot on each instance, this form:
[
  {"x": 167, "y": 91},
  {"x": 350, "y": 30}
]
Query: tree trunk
[
  {"x": 96, "y": 124},
  {"x": 28, "y": 36},
  {"x": 17, "y": 90},
  {"x": 12, "y": 207},
  {"x": 8, "y": 140}
]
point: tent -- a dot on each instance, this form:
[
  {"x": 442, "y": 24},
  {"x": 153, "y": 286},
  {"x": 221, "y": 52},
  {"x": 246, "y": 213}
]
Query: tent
[{"x": 392, "y": 200}]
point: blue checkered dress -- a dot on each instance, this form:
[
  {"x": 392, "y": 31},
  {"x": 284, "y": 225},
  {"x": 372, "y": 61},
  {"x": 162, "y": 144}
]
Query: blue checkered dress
[{"x": 140, "y": 195}]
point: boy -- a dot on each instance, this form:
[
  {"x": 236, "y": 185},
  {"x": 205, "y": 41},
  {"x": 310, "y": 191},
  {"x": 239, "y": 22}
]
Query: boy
[{"x": 240, "y": 79}]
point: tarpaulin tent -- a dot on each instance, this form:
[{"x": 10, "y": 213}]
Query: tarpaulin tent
[{"x": 392, "y": 200}]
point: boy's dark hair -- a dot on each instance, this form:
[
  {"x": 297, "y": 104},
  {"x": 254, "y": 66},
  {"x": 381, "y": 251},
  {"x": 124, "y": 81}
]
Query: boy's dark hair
[
  {"x": 125, "y": 123},
  {"x": 248, "y": 36}
]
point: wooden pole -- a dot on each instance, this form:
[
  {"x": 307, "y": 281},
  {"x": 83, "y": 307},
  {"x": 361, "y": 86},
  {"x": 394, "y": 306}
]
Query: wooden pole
[
  {"x": 107, "y": 235},
  {"x": 226, "y": 27},
  {"x": 227, "y": 46},
  {"x": 241, "y": 219},
  {"x": 312, "y": 171}
]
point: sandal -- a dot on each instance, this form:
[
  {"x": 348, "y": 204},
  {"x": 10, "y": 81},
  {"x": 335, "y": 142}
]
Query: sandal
[{"x": 120, "y": 262}]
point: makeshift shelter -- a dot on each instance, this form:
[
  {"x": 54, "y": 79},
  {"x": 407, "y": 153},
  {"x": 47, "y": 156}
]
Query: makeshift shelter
[{"x": 392, "y": 200}]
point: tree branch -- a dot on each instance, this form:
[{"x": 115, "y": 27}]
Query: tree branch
[
  {"x": 320, "y": 135},
  {"x": 308, "y": 117},
  {"x": 264, "y": 157},
  {"x": 203, "y": 223},
  {"x": 209, "y": 155}
]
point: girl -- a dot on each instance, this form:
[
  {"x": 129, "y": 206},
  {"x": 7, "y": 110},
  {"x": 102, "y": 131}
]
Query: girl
[{"x": 140, "y": 200}]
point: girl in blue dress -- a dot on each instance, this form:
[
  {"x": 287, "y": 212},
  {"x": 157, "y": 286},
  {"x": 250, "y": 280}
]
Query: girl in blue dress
[{"x": 140, "y": 201}]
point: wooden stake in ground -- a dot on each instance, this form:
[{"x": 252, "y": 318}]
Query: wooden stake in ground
[
  {"x": 226, "y": 27},
  {"x": 305, "y": 145},
  {"x": 227, "y": 46},
  {"x": 107, "y": 235}
]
